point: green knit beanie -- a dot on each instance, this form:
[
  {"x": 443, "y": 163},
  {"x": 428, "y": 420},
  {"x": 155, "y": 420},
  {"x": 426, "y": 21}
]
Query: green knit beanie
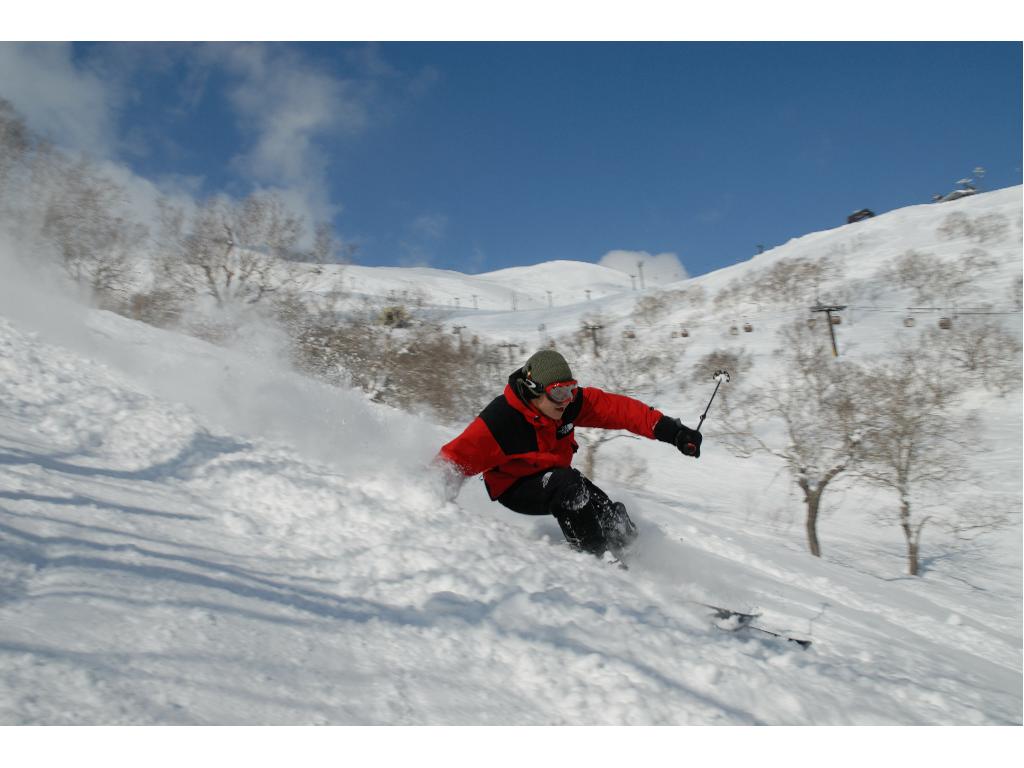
[{"x": 547, "y": 367}]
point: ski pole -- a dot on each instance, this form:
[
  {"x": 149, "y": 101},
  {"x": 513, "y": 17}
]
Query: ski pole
[{"x": 720, "y": 376}]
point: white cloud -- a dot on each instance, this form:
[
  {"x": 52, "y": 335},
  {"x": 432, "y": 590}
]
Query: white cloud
[
  {"x": 72, "y": 107},
  {"x": 657, "y": 270},
  {"x": 288, "y": 107},
  {"x": 300, "y": 203},
  {"x": 431, "y": 226},
  {"x": 142, "y": 196}
]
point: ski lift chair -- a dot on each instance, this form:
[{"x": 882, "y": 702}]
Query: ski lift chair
[
  {"x": 945, "y": 323},
  {"x": 748, "y": 328},
  {"x": 908, "y": 322}
]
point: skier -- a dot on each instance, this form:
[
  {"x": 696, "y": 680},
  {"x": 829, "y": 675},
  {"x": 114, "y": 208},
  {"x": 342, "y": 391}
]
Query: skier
[{"x": 523, "y": 443}]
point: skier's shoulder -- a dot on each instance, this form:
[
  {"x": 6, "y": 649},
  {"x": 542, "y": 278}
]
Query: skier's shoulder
[
  {"x": 502, "y": 412},
  {"x": 497, "y": 404},
  {"x": 507, "y": 421}
]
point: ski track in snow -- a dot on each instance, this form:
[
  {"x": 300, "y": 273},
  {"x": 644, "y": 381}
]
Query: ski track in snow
[{"x": 256, "y": 549}]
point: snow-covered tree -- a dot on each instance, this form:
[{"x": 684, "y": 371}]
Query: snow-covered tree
[
  {"x": 914, "y": 439},
  {"x": 983, "y": 350},
  {"x": 15, "y": 141},
  {"x": 98, "y": 245},
  {"x": 806, "y": 418},
  {"x": 237, "y": 252},
  {"x": 68, "y": 208},
  {"x": 934, "y": 279}
]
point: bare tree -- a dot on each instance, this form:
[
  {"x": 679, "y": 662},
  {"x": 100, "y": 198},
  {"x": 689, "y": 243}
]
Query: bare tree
[
  {"x": 327, "y": 249},
  {"x": 991, "y": 226},
  {"x": 806, "y": 418},
  {"x": 983, "y": 350},
  {"x": 157, "y": 306},
  {"x": 796, "y": 280},
  {"x": 69, "y": 208},
  {"x": 912, "y": 269},
  {"x": 96, "y": 244},
  {"x": 732, "y": 294},
  {"x": 15, "y": 141},
  {"x": 393, "y": 355},
  {"x": 237, "y": 252},
  {"x": 912, "y": 439},
  {"x": 652, "y": 307},
  {"x": 933, "y": 278},
  {"x": 790, "y": 281},
  {"x": 428, "y": 367}
]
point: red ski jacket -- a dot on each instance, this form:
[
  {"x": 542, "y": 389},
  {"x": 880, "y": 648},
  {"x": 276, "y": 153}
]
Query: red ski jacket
[{"x": 509, "y": 440}]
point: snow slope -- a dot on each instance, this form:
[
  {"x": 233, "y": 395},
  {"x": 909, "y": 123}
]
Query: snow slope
[
  {"x": 196, "y": 535},
  {"x": 522, "y": 288}
]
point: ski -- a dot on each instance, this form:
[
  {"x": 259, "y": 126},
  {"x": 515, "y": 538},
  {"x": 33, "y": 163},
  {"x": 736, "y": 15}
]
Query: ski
[
  {"x": 725, "y": 619},
  {"x": 729, "y": 620},
  {"x": 613, "y": 560}
]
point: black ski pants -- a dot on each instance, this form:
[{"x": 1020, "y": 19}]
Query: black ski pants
[{"x": 589, "y": 520}]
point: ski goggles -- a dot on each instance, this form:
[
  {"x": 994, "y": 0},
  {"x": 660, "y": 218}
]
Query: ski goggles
[{"x": 561, "y": 391}]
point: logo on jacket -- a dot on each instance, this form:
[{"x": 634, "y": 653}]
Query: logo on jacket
[{"x": 564, "y": 430}]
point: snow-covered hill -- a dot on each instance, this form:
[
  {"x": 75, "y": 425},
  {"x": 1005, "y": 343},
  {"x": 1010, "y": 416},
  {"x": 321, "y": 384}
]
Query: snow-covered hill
[{"x": 196, "y": 535}]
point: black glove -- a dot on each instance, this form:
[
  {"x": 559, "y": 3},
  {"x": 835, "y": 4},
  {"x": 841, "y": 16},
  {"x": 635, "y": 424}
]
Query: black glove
[{"x": 687, "y": 440}]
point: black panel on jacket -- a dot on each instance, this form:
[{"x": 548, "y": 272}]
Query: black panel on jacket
[
  {"x": 573, "y": 411},
  {"x": 513, "y": 433}
]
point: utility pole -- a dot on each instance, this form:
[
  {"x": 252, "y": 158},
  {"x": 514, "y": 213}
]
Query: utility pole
[
  {"x": 633, "y": 278},
  {"x": 640, "y": 269},
  {"x": 593, "y": 328},
  {"x": 457, "y": 330},
  {"x": 828, "y": 310},
  {"x": 588, "y": 294},
  {"x": 550, "y": 303},
  {"x": 475, "y": 305}
]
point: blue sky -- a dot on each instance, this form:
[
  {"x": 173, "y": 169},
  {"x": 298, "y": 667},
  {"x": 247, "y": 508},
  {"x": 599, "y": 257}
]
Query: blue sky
[{"x": 476, "y": 157}]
